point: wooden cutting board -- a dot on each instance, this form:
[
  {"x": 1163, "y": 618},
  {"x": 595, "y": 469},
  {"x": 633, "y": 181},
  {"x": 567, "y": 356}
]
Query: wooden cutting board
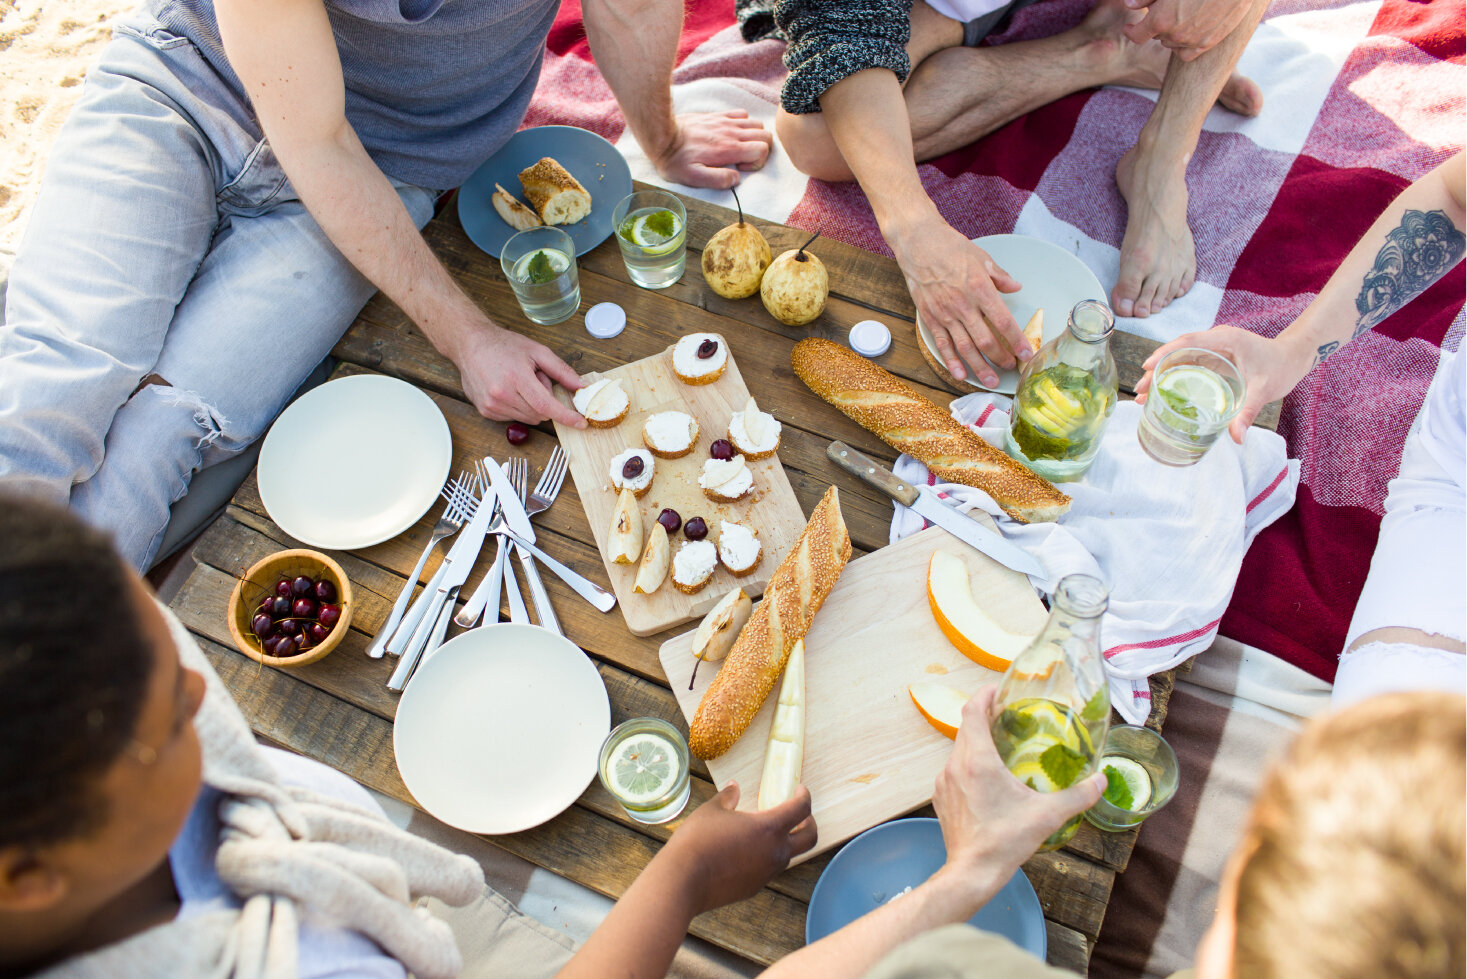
[
  {"x": 869, "y": 755},
  {"x": 771, "y": 510}
]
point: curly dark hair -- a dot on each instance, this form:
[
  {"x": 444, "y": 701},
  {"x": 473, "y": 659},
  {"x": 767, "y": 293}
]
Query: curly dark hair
[{"x": 74, "y": 669}]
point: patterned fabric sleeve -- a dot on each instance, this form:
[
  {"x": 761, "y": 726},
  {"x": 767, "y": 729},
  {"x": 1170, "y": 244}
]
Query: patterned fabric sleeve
[{"x": 829, "y": 40}]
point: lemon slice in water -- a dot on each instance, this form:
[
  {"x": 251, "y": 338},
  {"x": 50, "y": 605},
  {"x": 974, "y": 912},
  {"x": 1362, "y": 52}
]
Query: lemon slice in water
[
  {"x": 1194, "y": 392},
  {"x": 1137, "y": 779},
  {"x": 642, "y": 768},
  {"x": 654, "y": 232}
]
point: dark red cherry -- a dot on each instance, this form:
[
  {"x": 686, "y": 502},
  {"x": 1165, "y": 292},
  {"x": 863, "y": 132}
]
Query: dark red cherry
[
  {"x": 289, "y": 627},
  {"x": 262, "y": 625},
  {"x": 329, "y": 615},
  {"x": 302, "y": 586},
  {"x": 517, "y": 433},
  {"x": 282, "y": 587},
  {"x": 707, "y": 349},
  {"x": 280, "y": 607},
  {"x": 632, "y": 468},
  {"x": 721, "y": 449},
  {"x": 325, "y": 591},
  {"x": 696, "y": 528},
  {"x": 670, "y": 520},
  {"x": 317, "y": 632},
  {"x": 266, "y": 604},
  {"x": 303, "y": 608}
]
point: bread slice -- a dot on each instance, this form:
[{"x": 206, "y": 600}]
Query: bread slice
[
  {"x": 555, "y": 195},
  {"x": 514, "y": 213}
]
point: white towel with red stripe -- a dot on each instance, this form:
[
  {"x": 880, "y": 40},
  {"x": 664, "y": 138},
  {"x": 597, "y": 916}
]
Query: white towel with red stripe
[{"x": 1167, "y": 542}]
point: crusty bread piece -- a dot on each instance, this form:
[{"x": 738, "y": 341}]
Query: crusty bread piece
[
  {"x": 514, "y": 213},
  {"x": 902, "y": 418},
  {"x": 555, "y": 195},
  {"x": 796, "y": 591}
]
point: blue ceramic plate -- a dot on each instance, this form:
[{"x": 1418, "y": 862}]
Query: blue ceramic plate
[
  {"x": 589, "y": 158},
  {"x": 885, "y": 860}
]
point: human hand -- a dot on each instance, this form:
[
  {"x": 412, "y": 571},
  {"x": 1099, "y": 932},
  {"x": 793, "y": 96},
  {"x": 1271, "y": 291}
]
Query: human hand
[
  {"x": 1188, "y": 27},
  {"x": 992, "y": 822},
  {"x": 955, "y": 286},
  {"x": 508, "y": 377},
  {"x": 710, "y": 148},
  {"x": 728, "y": 855},
  {"x": 1271, "y": 368}
]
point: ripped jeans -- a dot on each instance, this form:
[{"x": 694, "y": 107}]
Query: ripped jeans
[{"x": 166, "y": 244}]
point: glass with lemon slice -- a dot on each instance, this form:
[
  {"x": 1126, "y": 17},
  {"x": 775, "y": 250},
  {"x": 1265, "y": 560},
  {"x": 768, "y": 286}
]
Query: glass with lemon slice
[
  {"x": 1141, "y": 774},
  {"x": 1194, "y": 395},
  {"x": 644, "y": 765},
  {"x": 1052, "y": 710},
  {"x": 652, "y": 230},
  {"x": 540, "y": 265}
]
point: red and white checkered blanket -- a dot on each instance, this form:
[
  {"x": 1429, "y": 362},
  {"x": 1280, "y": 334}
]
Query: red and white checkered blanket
[{"x": 1361, "y": 98}]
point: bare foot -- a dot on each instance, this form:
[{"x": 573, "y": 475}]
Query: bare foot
[
  {"x": 1114, "y": 59},
  {"x": 1158, "y": 258}
]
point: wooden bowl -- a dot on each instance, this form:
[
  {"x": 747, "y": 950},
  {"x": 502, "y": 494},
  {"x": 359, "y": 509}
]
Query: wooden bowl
[{"x": 260, "y": 581}]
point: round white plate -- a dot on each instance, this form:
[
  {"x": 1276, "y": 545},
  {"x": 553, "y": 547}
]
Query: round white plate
[
  {"x": 1053, "y": 280},
  {"x": 354, "y": 462},
  {"x": 501, "y": 727}
]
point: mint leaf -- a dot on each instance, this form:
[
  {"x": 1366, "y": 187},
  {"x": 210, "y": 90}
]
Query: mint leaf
[
  {"x": 1117, "y": 792},
  {"x": 1062, "y": 764},
  {"x": 661, "y": 223},
  {"x": 1098, "y": 706},
  {"x": 539, "y": 271},
  {"x": 1019, "y": 726},
  {"x": 1179, "y": 404},
  {"x": 1030, "y": 782}
]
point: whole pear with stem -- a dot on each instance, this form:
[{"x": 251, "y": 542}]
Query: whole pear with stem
[
  {"x": 735, "y": 258},
  {"x": 795, "y": 286}
]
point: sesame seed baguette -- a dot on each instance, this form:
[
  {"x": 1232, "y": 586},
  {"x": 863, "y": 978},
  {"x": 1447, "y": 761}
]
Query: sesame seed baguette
[
  {"x": 900, "y": 416},
  {"x": 799, "y": 587}
]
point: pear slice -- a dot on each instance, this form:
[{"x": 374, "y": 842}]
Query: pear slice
[
  {"x": 784, "y": 759},
  {"x": 625, "y": 541},
  {"x": 607, "y": 401},
  {"x": 655, "y": 559},
  {"x": 754, "y": 423},
  {"x": 720, "y": 627}
]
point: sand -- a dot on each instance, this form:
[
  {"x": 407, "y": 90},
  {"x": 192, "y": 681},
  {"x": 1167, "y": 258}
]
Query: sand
[{"x": 46, "y": 48}]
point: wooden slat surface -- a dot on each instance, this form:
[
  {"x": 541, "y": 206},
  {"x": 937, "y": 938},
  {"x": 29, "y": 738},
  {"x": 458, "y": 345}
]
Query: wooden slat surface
[{"x": 339, "y": 711}]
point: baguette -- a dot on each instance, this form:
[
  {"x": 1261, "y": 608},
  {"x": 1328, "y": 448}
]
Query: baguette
[
  {"x": 901, "y": 417},
  {"x": 513, "y": 213},
  {"x": 795, "y": 593},
  {"x": 555, "y": 195}
]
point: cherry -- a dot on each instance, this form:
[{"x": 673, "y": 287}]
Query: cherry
[
  {"x": 517, "y": 433},
  {"x": 265, "y": 604},
  {"x": 707, "y": 349},
  {"x": 262, "y": 625},
  {"x": 670, "y": 520},
  {"x": 325, "y": 591},
  {"x": 329, "y": 615},
  {"x": 696, "y": 528},
  {"x": 632, "y": 468},
  {"x": 303, "y": 643},
  {"x": 317, "y": 632},
  {"x": 282, "y": 587},
  {"x": 280, "y": 607},
  {"x": 273, "y": 644},
  {"x": 302, "y": 586},
  {"x": 289, "y": 627},
  {"x": 721, "y": 449}
]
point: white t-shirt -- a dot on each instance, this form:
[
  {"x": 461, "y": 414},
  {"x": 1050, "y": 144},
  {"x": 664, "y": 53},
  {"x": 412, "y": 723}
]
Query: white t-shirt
[{"x": 327, "y": 951}]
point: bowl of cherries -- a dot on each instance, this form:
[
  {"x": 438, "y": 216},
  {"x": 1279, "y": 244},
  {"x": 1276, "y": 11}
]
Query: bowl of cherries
[{"x": 291, "y": 608}]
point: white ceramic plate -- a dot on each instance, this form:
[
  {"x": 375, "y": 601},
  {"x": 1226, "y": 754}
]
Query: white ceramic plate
[
  {"x": 1053, "y": 280},
  {"x": 354, "y": 462},
  {"x": 501, "y": 727}
]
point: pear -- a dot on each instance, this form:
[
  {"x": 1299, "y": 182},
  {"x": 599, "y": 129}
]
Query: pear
[
  {"x": 795, "y": 286},
  {"x": 735, "y": 258}
]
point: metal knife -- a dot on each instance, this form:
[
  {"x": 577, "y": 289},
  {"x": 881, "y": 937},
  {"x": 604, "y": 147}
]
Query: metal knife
[
  {"x": 519, "y": 522},
  {"x": 927, "y": 504}
]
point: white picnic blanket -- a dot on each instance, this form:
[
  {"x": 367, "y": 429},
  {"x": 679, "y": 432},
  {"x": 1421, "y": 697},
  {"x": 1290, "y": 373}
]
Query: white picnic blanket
[{"x": 1167, "y": 542}]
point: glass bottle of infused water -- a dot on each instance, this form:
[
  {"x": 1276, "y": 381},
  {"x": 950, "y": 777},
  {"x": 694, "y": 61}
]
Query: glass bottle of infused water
[
  {"x": 1066, "y": 394},
  {"x": 1052, "y": 710}
]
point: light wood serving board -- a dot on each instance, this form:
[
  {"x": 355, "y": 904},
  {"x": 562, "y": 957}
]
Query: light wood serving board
[
  {"x": 869, "y": 755},
  {"x": 771, "y": 510}
]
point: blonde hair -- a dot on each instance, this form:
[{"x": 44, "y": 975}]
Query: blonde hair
[{"x": 1357, "y": 860}]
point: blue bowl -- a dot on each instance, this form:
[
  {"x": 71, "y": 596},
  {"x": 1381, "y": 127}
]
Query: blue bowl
[
  {"x": 600, "y": 168},
  {"x": 885, "y": 860}
]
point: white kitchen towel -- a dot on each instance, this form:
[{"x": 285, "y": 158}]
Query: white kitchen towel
[{"x": 1167, "y": 542}]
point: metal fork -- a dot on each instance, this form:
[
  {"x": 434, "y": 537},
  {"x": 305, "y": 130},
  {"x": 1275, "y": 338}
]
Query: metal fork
[
  {"x": 549, "y": 485},
  {"x": 460, "y": 507},
  {"x": 544, "y": 611}
]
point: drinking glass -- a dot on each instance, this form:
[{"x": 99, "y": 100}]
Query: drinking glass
[
  {"x": 644, "y": 765},
  {"x": 540, "y": 264},
  {"x": 652, "y": 230},
  {"x": 1194, "y": 394},
  {"x": 1147, "y": 768}
]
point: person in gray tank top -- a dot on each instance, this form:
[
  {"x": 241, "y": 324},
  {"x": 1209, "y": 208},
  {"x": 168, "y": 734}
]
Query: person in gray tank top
[{"x": 236, "y": 180}]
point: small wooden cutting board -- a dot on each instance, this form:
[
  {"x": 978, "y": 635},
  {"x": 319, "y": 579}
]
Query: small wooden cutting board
[
  {"x": 771, "y": 510},
  {"x": 869, "y": 755}
]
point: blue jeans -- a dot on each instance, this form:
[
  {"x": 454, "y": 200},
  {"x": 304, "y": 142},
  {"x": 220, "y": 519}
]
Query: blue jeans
[{"x": 166, "y": 245}]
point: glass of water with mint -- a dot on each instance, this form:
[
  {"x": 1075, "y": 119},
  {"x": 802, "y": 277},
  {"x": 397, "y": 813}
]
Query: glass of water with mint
[
  {"x": 652, "y": 230},
  {"x": 541, "y": 267}
]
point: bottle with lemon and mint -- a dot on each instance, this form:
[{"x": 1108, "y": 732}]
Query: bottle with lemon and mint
[
  {"x": 1066, "y": 395},
  {"x": 1052, "y": 710}
]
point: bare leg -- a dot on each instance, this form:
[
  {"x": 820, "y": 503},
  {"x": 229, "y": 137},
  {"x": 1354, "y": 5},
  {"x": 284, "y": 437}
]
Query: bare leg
[
  {"x": 1158, "y": 257},
  {"x": 956, "y": 95}
]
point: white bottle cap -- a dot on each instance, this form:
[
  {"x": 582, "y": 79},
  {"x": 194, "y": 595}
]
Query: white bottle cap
[
  {"x": 870, "y": 338},
  {"x": 605, "y": 320}
]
